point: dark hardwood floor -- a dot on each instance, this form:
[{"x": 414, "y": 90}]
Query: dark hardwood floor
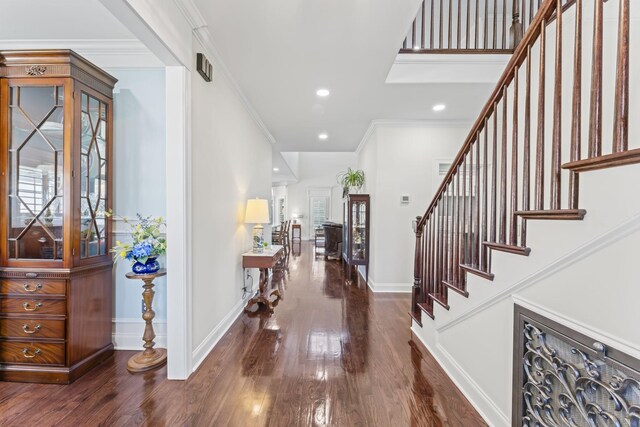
[{"x": 332, "y": 354}]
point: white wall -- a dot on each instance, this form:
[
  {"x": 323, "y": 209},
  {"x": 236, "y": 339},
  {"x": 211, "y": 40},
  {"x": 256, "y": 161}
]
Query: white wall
[
  {"x": 139, "y": 187},
  {"x": 231, "y": 162},
  {"x": 402, "y": 159},
  {"x": 318, "y": 170}
]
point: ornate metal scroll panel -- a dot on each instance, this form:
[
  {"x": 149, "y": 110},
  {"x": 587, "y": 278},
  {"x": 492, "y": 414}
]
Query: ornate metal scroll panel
[{"x": 565, "y": 379}]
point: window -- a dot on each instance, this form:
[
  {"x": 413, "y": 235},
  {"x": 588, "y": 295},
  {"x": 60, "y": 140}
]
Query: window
[
  {"x": 319, "y": 206},
  {"x": 281, "y": 210},
  {"x": 319, "y": 211}
]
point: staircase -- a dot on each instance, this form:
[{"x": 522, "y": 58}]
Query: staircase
[
  {"x": 510, "y": 210},
  {"x": 519, "y": 163}
]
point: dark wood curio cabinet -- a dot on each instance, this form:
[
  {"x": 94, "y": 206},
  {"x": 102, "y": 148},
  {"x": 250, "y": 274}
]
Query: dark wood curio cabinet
[
  {"x": 56, "y": 135},
  {"x": 355, "y": 229}
]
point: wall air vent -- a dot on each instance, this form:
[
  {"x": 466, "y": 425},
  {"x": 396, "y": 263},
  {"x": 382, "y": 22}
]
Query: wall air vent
[
  {"x": 563, "y": 378},
  {"x": 204, "y": 67}
]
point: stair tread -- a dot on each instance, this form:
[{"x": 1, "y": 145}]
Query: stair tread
[
  {"x": 474, "y": 270},
  {"x": 426, "y": 309},
  {"x": 416, "y": 317},
  {"x": 454, "y": 288},
  {"x": 606, "y": 161},
  {"x": 558, "y": 214},
  {"x": 504, "y": 247},
  {"x": 440, "y": 299}
]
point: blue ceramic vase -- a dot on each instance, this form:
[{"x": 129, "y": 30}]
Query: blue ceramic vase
[{"x": 151, "y": 266}]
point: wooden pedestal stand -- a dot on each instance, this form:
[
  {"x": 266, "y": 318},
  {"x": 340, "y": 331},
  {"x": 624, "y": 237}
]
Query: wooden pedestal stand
[{"x": 151, "y": 357}]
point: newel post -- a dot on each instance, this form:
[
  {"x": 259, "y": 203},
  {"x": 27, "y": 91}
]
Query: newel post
[
  {"x": 418, "y": 263},
  {"x": 516, "y": 31}
]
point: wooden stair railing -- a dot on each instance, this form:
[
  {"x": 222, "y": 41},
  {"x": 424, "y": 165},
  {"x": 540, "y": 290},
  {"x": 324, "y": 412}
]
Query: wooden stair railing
[
  {"x": 469, "y": 26},
  {"x": 518, "y": 160}
]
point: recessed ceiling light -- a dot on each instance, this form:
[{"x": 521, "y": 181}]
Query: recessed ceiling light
[
  {"x": 276, "y": 169},
  {"x": 323, "y": 136},
  {"x": 439, "y": 107},
  {"x": 323, "y": 92}
]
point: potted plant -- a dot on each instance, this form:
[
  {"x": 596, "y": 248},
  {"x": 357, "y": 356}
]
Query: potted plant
[
  {"x": 146, "y": 245},
  {"x": 351, "y": 179}
]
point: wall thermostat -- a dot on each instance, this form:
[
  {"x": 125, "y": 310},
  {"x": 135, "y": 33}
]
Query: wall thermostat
[{"x": 405, "y": 199}]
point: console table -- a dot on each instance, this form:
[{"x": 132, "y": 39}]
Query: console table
[{"x": 263, "y": 261}]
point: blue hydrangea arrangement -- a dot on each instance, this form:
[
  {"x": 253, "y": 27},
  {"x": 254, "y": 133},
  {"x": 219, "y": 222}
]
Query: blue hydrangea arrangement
[{"x": 146, "y": 241}]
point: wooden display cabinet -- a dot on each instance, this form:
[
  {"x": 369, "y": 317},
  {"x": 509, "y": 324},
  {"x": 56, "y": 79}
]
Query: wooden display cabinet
[
  {"x": 56, "y": 137},
  {"x": 355, "y": 231}
]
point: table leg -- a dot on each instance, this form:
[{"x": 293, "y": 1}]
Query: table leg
[
  {"x": 151, "y": 357},
  {"x": 262, "y": 297}
]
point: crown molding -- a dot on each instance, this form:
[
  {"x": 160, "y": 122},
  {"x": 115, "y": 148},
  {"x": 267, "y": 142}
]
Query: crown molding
[
  {"x": 191, "y": 13},
  {"x": 124, "y": 46},
  {"x": 203, "y": 35},
  {"x": 106, "y": 53},
  {"x": 426, "y": 123},
  {"x": 366, "y": 136}
]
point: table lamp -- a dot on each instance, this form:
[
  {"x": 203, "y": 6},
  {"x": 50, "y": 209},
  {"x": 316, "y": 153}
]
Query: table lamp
[{"x": 257, "y": 213}]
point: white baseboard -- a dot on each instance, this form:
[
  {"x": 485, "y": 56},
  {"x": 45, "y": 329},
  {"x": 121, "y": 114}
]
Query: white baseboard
[
  {"x": 127, "y": 334},
  {"x": 487, "y": 409},
  {"x": 404, "y": 288},
  {"x": 205, "y": 347}
]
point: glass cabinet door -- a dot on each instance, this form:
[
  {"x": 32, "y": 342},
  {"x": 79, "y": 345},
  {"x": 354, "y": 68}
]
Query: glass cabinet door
[
  {"x": 359, "y": 230},
  {"x": 35, "y": 187},
  {"x": 345, "y": 228},
  {"x": 93, "y": 176}
]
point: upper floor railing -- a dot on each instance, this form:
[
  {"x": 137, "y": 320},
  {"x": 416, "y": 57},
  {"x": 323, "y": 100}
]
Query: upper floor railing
[
  {"x": 557, "y": 103},
  {"x": 469, "y": 26}
]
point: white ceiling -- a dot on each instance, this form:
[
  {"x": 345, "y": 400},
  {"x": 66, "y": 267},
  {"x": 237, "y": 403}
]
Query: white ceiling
[
  {"x": 59, "y": 19},
  {"x": 280, "y": 53}
]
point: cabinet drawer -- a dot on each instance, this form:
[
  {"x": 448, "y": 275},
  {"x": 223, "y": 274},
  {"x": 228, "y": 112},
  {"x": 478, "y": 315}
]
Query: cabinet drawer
[
  {"x": 32, "y": 287},
  {"x": 32, "y": 306},
  {"x": 37, "y": 353},
  {"x": 32, "y": 328}
]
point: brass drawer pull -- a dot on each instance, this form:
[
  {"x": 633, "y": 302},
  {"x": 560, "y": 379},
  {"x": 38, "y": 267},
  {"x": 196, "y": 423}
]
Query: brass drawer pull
[
  {"x": 25, "y": 352},
  {"x": 27, "y": 287},
  {"x": 26, "y": 329},
  {"x": 27, "y": 306}
]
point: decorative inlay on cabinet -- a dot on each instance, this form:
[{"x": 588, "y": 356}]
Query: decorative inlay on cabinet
[
  {"x": 56, "y": 138},
  {"x": 35, "y": 70}
]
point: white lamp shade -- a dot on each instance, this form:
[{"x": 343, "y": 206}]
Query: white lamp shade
[{"x": 257, "y": 212}]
